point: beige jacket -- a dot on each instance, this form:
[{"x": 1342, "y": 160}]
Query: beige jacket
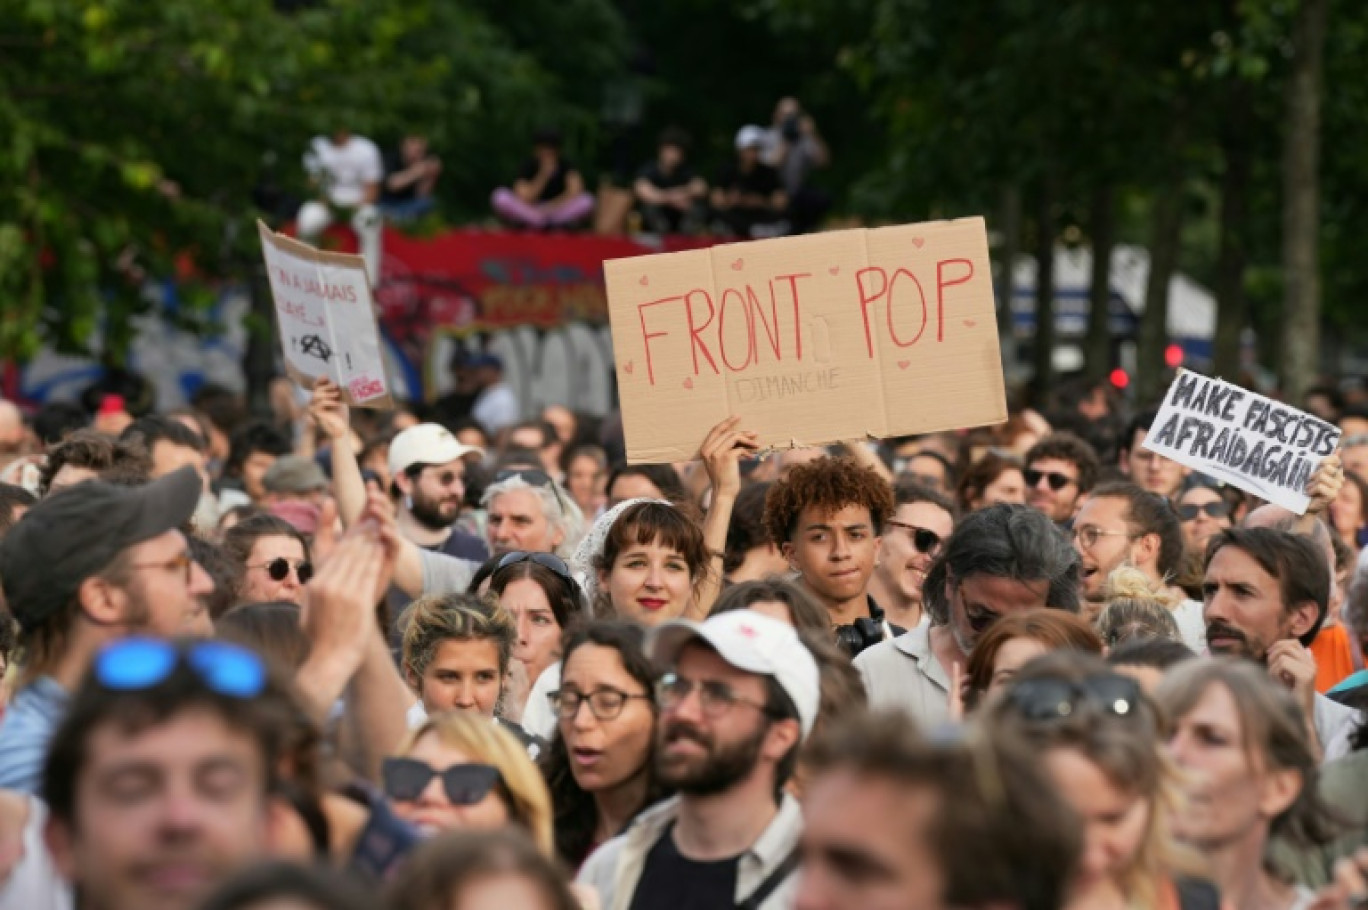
[
  {"x": 904, "y": 674},
  {"x": 614, "y": 869}
]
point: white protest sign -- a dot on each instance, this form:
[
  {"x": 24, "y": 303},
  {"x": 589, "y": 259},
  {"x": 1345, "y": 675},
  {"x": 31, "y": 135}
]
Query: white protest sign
[
  {"x": 326, "y": 318},
  {"x": 1255, "y": 443}
]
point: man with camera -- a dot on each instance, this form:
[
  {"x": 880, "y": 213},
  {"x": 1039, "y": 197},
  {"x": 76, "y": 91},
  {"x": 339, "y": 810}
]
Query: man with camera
[
  {"x": 1000, "y": 560},
  {"x": 828, "y": 517}
]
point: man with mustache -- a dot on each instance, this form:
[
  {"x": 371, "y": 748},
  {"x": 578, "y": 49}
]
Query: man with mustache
[
  {"x": 1000, "y": 560},
  {"x": 1265, "y": 596},
  {"x": 740, "y": 696}
]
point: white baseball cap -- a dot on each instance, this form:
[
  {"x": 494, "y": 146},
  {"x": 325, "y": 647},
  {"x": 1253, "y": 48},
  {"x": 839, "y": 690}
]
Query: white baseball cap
[
  {"x": 427, "y": 443},
  {"x": 754, "y": 643}
]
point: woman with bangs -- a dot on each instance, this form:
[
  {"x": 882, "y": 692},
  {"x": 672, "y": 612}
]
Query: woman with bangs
[{"x": 1099, "y": 738}]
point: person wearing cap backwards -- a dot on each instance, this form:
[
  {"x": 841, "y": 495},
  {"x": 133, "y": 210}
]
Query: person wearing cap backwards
[
  {"x": 740, "y": 695},
  {"x": 84, "y": 567}
]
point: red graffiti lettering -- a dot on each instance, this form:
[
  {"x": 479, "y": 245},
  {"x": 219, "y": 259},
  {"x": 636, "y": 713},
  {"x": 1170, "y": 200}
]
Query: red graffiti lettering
[
  {"x": 696, "y": 343},
  {"x": 942, "y": 284},
  {"x": 727, "y": 295},
  {"x": 647, "y": 335},
  {"x": 888, "y": 311}
]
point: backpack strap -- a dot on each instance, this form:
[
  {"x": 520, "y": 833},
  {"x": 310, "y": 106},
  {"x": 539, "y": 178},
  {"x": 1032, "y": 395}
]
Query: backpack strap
[{"x": 772, "y": 881}]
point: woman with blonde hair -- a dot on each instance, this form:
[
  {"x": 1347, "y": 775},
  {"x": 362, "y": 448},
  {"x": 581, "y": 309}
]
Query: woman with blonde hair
[
  {"x": 1098, "y": 735},
  {"x": 1135, "y": 610},
  {"x": 458, "y": 770},
  {"x": 1249, "y": 774}
]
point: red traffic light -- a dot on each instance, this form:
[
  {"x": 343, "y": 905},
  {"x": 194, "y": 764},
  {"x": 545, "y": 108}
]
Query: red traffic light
[
  {"x": 1119, "y": 378},
  {"x": 1173, "y": 356}
]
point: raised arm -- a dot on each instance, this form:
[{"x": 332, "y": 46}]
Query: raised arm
[{"x": 721, "y": 452}]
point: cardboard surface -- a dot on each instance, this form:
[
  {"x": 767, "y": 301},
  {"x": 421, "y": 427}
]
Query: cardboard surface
[
  {"x": 1255, "y": 443},
  {"x": 811, "y": 339},
  {"x": 326, "y": 318}
]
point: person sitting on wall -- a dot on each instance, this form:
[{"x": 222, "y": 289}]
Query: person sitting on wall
[{"x": 549, "y": 191}]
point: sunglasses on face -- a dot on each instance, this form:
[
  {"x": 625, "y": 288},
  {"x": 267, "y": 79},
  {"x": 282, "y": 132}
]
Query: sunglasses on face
[
  {"x": 1057, "y": 480},
  {"x": 546, "y": 560},
  {"x": 1057, "y": 699},
  {"x": 924, "y": 540},
  {"x": 279, "y": 569},
  {"x": 465, "y": 785},
  {"x": 1218, "y": 509},
  {"x": 133, "y": 664},
  {"x": 446, "y": 478}
]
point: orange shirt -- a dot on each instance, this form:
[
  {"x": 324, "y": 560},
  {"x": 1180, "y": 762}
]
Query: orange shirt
[{"x": 1334, "y": 659}]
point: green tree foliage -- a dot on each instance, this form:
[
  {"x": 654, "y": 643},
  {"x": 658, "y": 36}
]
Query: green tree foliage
[{"x": 132, "y": 133}]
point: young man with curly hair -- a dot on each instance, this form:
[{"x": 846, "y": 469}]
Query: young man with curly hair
[{"x": 828, "y": 517}]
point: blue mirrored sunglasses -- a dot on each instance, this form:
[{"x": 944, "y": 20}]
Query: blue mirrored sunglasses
[{"x": 141, "y": 663}]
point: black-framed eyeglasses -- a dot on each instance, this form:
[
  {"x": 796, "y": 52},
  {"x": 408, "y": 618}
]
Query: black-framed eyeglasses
[
  {"x": 604, "y": 704},
  {"x": 1057, "y": 699},
  {"x": 181, "y": 562},
  {"x": 533, "y": 477},
  {"x": 1218, "y": 509},
  {"x": 546, "y": 560},
  {"x": 279, "y": 569},
  {"x": 926, "y": 480},
  {"x": 715, "y": 698},
  {"x": 924, "y": 539},
  {"x": 1056, "y": 480},
  {"x": 465, "y": 785}
]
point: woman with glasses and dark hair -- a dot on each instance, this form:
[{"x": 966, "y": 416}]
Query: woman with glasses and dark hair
[
  {"x": 457, "y": 771},
  {"x": 1203, "y": 511},
  {"x": 274, "y": 558},
  {"x": 1249, "y": 776},
  {"x": 599, "y": 766},
  {"x": 539, "y": 595},
  {"x": 1098, "y": 737}
]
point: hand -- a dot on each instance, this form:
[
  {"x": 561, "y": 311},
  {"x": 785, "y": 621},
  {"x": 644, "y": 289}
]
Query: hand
[
  {"x": 722, "y": 451},
  {"x": 1324, "y": 485},
  {"x": 339, "y": 615},
  {"x": 329, "y": 412},
  {"x": 958, "y": 683},
  {"x": 1292, "y": 665},
  {"x": 1350, "y": 886},
  {"x": 325, "y": 537}
]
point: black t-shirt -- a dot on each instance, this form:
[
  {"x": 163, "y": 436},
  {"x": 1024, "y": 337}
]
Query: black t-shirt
[
  {"x": 669, "y": 881},
  {"x": 760, "y": 180},
  {"x": 662, "y": 180},
  {"x": 555, "y": 187},
  {"x": 394, "y": 163}
]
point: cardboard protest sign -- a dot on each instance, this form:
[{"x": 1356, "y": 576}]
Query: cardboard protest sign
[
  {"x": 326, "y": 318},
  {"x": 1241, "y": 437},
  {"x": 811, "y": 339}
]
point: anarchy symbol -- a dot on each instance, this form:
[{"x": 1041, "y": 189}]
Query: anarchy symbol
[{"x": 315, "y": 346}]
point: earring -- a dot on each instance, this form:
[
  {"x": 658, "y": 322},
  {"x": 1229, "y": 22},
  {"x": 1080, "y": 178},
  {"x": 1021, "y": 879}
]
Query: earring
[{"x": 408, "y": 502}]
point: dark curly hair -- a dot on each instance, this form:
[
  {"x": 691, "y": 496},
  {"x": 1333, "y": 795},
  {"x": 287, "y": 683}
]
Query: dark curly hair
[
  {"x": 828, "y": 485},
  {"x": 1065, "y": 446}
]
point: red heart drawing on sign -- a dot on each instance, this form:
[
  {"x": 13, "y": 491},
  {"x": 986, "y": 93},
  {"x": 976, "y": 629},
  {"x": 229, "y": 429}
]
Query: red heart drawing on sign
[
  {"x": 688, "y": 383},
  {"x": 835, "y": 270},
  {"x": 736, "y": 266},
  {"x": 917, "y": 242},
  {"x": 970, "y": 323},
  {"x": 904, "y": 364},
  {"x": 628, "y": 367},
  {"x": 644, "y": 281}
]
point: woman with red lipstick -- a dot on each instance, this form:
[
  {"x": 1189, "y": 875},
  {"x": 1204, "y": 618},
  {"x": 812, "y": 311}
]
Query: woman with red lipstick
[
  {"x": 599, "y": 766},
  {"x": 651, "y": 563}
]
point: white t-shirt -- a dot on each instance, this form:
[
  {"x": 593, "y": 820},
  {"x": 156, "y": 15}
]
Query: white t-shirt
[
  {"x": 344, "y": 170},
  {"x": 538, "y": 717},
  {"x": 1191, "y": 626}
]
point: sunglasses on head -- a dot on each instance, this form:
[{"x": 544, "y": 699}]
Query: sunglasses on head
[
  {"x": 465, "y": 785},
  {"x": 547, "y": 560},
  {"x": 1057, "y": 480},
  {"x": 279, "y": 569},
  {"x": 533, "y": 477},
  {"x": 1057, "y": 699},
  {"x": 1218, "y": 509},
  {"x": 133, "y": 664},
  {"x": 924, "y": 540}
]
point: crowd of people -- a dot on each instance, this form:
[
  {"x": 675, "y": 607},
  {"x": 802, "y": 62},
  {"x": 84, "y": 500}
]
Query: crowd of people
[
  {"x": 765, "y": 190},
  {"x": 367, "y": 660}
]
